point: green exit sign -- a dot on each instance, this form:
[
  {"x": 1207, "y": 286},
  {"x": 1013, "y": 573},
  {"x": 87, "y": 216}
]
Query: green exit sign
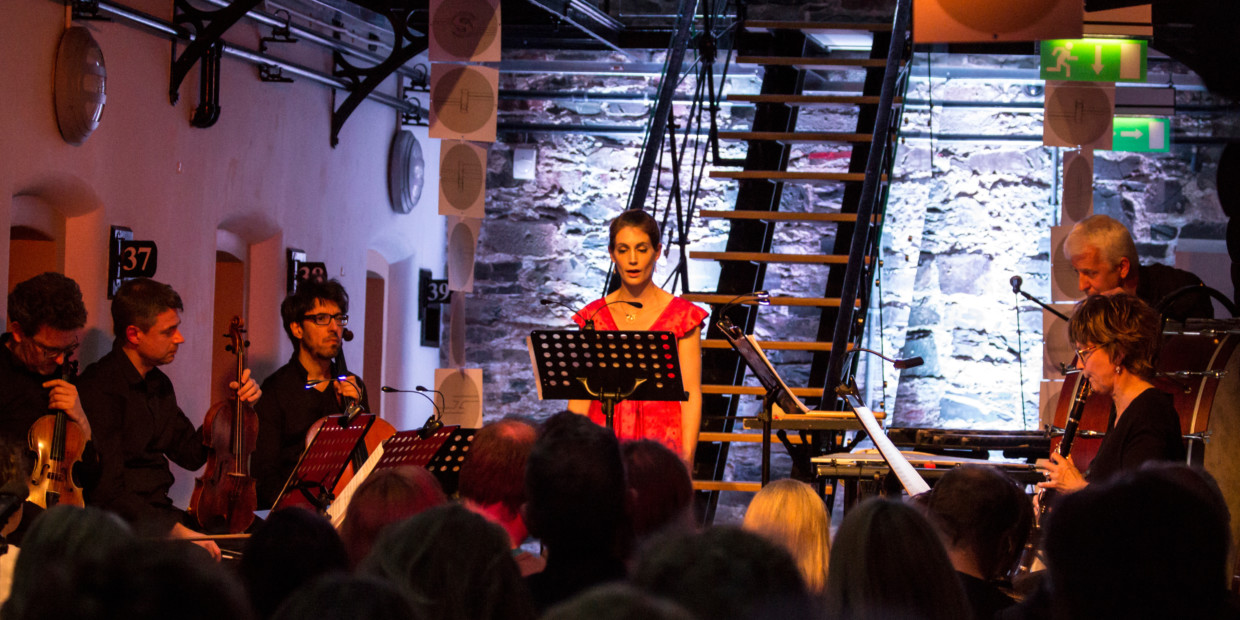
[
  {"x": 1141, "y": 134},
  {"x": 1094, "y": 60}
]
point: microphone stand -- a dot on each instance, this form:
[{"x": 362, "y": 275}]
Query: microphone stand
[
  {"x": 433, "y": 423},
  {"x": 1016, "y": 282}
]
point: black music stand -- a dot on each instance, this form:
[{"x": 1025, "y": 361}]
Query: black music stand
[
  {"x": 442, "y": 453},
  {"x": 776, "y": 390},
  {"x": 607, "y": 366},
  {"x": 313, "y": 481}
]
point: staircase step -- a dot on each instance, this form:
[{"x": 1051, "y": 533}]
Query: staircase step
[
  {"x": 780, "y": 216},
  {"x": 789, "y": 176},
  {"x": 811, "y": 100},
  {"x": 771, "y": 345},
  {"x": 773, "y": 257},
  {"x": 809, "y": 27},
  {"x": 810, "y": 63},
  {"x": 743, "y": 438},
  {"x": 796, "y": 136},
  {"x": 815, "y": 302},
  {"x": 755, "y": 390},
  {"x": 724, "y": 485}
]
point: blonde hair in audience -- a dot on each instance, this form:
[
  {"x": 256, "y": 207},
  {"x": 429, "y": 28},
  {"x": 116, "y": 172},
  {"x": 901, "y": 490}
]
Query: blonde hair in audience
[{"x": 791, "y": 514}]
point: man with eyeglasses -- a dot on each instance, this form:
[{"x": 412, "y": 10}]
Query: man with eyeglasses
[
  {"x": 313, "y": 384},
  {"x": 46, "y": 317},
  {"x": 138, "y": 423}
]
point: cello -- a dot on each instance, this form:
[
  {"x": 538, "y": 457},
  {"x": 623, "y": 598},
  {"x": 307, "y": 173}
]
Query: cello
[
  {"x": 58, "y": 446},
  {"x": 224, "y": 498}
]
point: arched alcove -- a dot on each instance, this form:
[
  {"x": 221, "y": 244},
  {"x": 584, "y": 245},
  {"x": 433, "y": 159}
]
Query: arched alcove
[
  {"x": 375, "y": 327},
  {"x": 229, "y": 301}
]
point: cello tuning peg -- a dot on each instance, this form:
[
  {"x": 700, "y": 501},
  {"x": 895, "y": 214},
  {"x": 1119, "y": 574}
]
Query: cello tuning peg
[
  {"x": 247, "y": 343},
  {"x": 228, "y": 348}
]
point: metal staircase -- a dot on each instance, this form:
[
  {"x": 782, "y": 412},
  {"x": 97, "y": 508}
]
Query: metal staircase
[{"x": 792, "y": 56}]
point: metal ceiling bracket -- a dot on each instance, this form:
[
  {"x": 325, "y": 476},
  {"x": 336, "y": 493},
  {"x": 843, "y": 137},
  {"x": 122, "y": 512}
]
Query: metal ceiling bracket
[
  {"x": 409, "y": 25},
  {"x": 279, "y": 34},
  {"x": 206, "y": 29},
  {"x": 87, "y": 10},
  {"x": 208, "y": 110}
]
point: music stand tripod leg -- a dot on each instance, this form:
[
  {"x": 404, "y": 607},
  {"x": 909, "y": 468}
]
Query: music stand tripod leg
[{"x": 768, "y": 402}]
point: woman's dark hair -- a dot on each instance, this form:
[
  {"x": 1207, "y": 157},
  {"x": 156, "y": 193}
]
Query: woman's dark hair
[
  {"x": 663, "y": 491},
  {"x": 724, "y": 572},
  {"x": 386, "y": 497},
  {"x": 1124, "y": 326},
  {"x": 454, "y": 565},
  {"x": 634, "y": 218},
  {"x": 881, "y": 539},
  {"x": 983, "y": 511},
  {"x": 1150, "y": 543},
  {"x": 346, "y": 597},
  {"x": 58, "y": 543},
  {"x": 291, "y": 548},
  {"x": 144, "y": 580}
]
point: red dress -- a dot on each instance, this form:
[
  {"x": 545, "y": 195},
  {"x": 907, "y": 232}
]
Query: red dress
[{"x": 646, "y": 419}]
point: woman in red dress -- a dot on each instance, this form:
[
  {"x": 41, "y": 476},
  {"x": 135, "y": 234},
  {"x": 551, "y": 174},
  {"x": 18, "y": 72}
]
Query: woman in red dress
[{"x": 634, "y": 247}]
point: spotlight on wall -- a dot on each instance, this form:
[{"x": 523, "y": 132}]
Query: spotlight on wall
[{"x": 524, "y": 162}]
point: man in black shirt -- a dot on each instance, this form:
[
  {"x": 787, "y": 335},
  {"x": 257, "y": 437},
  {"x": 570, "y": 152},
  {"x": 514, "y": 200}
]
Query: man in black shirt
[
  {"x": 313, "y": 384},
  {"x": 46, "y": 317},
  {"x": 1105, "y": 259},
  {"x": 139, "y": 425}
]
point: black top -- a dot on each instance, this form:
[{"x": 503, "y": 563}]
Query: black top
[
  {"x": 1149, "y": 430},
  {"x": 1156, "y": 281},
  {"x": 139, "y": 428},
  {"x": 563, "y": 580},
  {"x": 985, "y": 598},
  {"x": 286, "y": 410}
]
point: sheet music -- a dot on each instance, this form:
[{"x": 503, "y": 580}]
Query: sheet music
[
  {"x": 912, "y": 481},
  {"x": 335, "y": 512}
]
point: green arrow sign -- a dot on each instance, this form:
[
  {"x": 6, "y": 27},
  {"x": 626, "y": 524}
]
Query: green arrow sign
[
  {"x": 1094, "y": 60},
  {"x": 1142, "y": 134}
]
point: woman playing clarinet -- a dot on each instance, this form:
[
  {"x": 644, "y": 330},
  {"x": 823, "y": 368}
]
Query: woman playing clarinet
[
  {"x": 1116, "y": 337},
  {"x": 634, "y": 245}
]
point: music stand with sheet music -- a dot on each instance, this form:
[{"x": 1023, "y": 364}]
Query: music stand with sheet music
[
  {"x": 321, "y": 465},
  {"x": 441, "y": 453},
  {"x": 777, "y": 392},
  {"x": 607, "y": 366}
]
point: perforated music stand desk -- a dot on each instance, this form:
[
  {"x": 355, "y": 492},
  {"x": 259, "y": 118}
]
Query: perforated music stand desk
[
  {"x": 607, "y": 366},
  {"x": 442, "y": 453},
  {"x": 314, "y": 480}
]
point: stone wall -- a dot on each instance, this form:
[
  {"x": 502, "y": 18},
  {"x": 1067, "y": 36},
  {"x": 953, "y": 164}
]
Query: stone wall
[{"x": 964, "y": 216}]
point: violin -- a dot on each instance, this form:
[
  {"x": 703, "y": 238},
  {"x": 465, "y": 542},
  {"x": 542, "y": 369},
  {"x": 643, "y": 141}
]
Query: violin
[
  {"x": 224, "y": 497},
  {"x": 58, "y": 445}
]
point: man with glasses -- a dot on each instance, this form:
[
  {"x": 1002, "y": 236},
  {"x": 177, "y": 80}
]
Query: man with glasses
[
  {"x": 138, "y": 423},
  {"x": 46, "y": 317},
  {"x": 313, "y": 384}
]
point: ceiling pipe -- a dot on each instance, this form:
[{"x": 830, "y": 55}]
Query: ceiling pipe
[{"x": 168, "y": 31}]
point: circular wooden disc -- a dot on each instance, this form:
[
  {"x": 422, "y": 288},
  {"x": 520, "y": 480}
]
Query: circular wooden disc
[
  {"x": 467, "y": 27},
  {"x": 997, "y": 17},
  {"x": 461, "y": 176},
  {"x": 463, "y": 100}
]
